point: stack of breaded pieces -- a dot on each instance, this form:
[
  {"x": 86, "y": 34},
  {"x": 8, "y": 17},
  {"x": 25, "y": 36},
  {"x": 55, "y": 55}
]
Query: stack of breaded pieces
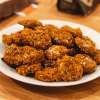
[{"x": 49, "y": 53}]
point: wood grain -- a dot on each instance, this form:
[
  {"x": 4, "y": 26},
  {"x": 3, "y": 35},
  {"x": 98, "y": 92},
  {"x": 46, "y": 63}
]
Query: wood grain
[{"x": 14, "y": 90}]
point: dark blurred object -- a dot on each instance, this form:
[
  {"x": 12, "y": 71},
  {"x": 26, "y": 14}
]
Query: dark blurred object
[
  {"x": 8, "y": 7},
  {"x": 82, "y": 7}
]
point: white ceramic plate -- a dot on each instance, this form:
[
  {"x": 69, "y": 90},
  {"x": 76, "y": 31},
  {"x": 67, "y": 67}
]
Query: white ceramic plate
[{"x": 95, "y": 36}]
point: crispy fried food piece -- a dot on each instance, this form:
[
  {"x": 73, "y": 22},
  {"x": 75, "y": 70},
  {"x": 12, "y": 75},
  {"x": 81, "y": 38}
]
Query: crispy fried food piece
[
  {"x": 68, "y": 69},
  {"x": 27, "y": 69},
  {"x": 75, "y": 32},
  {"x": 86, "y": 45},
  {"x": 97, "y": 57},
  {"x": 29, "y": 23},
  {"x": 48, "y": 74},
  {"x": 38, "y": 39},
  {"x": 56, "y": 51},
  {"x": 61, "y": 37},
  {"x": 65, "y": 70},
  {"x": 13, "y": 38},
  {"x": 89, "y": 65},
  {"x": 17, "y": 38},
  {"x": 22, "y": 55}
]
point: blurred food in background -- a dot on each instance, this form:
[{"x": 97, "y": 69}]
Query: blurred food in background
[
  {"x": 9, "y": 7},
  {"x": 82, "y": 7}
]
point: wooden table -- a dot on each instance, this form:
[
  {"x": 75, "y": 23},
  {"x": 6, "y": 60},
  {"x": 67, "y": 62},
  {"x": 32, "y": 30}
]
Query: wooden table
[{"x": 14, "y": 90}]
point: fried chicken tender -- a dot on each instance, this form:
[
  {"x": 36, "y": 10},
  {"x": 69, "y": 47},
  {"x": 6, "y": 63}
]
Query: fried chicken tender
[
  {"x": 18, "y": 37},
  {"x": 29, "y": 23},
  {"x": 15, "y": 55},
  {"x": 61, "y": 37},
  {"x": 75, "y": 32},
  {"x": 65, "y": 70},
  {"x": 56, "y": 51},
  {"x": 28, "y": 69},
  {"x": 38, "y": 39},
  {"x": 86, "y": 45},
  {"x": 68, "y": 69},
  {"x": 89, "y": 65},
  {"x": 97, "y": 57},
  {"x": 48, "y": 74}
]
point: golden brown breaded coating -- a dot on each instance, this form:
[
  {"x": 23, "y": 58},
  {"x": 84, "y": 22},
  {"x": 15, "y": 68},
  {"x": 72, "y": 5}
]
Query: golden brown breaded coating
[
  {"x": 97, "y": 57},
  {"x": 51, "y": 29},
  {"x": 48, "y": 28},
  {"x": 38, "y": 39},
  {"x": 22, "y": 55},
  {"x": 75, "y": 32},
  {"x": 86, "y": 45},
  {"x": 27, "y": 69},
  {"x": 68, "y": 69},
  {"x": 56, "y": 51},
  {"x": 29, "y": 23},
  {"x": 89, "y": 65},
  {"x": 13, "y": 38},
  {"x": 48, "y": 74},
  {"x": 18, "y": 37},
  {"x": 62, "y": 37},
  {"x": 42, "y": 40}
]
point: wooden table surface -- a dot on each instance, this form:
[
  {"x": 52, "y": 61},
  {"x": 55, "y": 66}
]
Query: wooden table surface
[{"x": 14, "y": 90}]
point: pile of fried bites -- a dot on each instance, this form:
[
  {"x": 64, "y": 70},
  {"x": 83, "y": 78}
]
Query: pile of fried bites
[{"x": 49, "y": 53}]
